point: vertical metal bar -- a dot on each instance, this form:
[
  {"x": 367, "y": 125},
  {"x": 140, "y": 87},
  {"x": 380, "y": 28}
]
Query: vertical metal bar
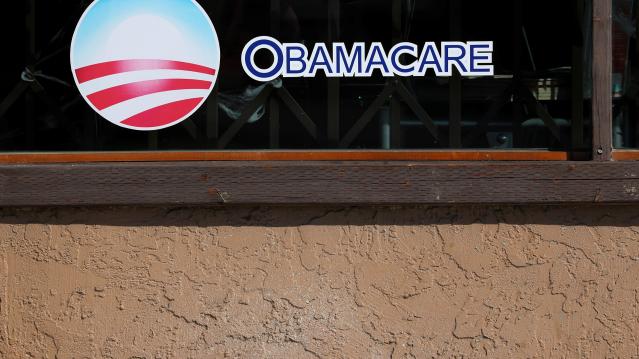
[
  {"x": 577, "y": 123},
  {"x": 99, "y": 138},
  {"x": 517, "y": 54},
  {"x": 31, "y": 31},
  {"x": 212, "y": 119},
  {"x": 455, "y": 110},
  {"x": 395, "y": 122},
  {"x": 455, "y": 84},
  {"x": 385, "y": 128},
  {"x": 29, "y": 103},
  {"x": 29, "y": 100},
  {"x": 602, "y": 80},
  {"x": 274, "y": 124},
  {"x": 333, "y": 120},
  {"x": 153, "y": 140},
  {"x": 273, "y": 104},
  {"x": 333, "y": 98},
  {"x": 395, "y": 103},
  {"x": 89, "y": 134},
  {"x": 276, "y": 9},
  {"x": 397, "y": 13},
  {"x": 219, "y": 9}
]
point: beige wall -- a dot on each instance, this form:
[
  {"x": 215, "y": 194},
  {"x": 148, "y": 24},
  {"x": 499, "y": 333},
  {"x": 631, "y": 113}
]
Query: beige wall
[{"x": 303, "y": 282}]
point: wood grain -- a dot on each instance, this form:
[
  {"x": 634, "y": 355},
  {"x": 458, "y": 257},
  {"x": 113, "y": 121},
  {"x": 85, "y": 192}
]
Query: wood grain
[
  {"x": 311, "y": 182},
  {"x": 602, "y": 80}
]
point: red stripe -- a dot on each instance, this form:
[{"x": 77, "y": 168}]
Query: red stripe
[
  {"x": 115, "y": 95},
  {"x": 97, "y": 71},
  {"x": 163, "y": 115}
]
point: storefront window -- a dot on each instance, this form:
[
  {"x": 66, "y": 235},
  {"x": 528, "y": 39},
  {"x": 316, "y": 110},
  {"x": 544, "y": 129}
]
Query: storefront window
[
  {"x": 538, "y": 98},
  {"x": 506, "y": 101}
]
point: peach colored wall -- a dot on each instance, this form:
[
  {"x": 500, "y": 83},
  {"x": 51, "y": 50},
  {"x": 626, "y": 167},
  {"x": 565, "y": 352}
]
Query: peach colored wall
[{"x": 496, "y": 282}]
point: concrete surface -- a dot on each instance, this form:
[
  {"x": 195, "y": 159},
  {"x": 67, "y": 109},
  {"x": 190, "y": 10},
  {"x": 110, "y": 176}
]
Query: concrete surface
[{"x": 496, "y": 282}]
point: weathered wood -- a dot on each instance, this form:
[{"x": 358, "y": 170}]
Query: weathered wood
[
  {"x": 602, "y": 80},
  {"x": 383, "y": 183}
]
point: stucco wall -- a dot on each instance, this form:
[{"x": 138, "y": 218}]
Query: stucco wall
[{"x": 330, "y": 282}]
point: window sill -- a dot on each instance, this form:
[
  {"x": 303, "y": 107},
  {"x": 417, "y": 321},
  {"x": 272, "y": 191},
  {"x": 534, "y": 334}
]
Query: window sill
[
  {"x": 363, "y": 155},
  {"x": 318, "y": 182},
  {"x": 625, "y": 155}
]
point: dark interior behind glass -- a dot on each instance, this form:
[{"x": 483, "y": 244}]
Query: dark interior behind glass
[
  {"x": 539, "y": 97},
  {"x": 625, "y": 74}
]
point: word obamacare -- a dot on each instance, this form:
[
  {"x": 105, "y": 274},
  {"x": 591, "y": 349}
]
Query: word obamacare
[{"x": 473, "y": 58}]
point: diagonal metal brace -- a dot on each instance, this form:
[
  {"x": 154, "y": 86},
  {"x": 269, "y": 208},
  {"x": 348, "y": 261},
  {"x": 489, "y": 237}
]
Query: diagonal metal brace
[
  {"x": 541, "y": 111},
  {"x": 297, "y": 111},
  {"x": 419, "y": 111},
  {"x": 368, "y": 115}
]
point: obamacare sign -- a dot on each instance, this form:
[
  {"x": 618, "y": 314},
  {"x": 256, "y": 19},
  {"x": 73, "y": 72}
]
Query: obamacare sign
[
  {"x": 474, "y": 58},
  {"x": 149, "y": 64}
]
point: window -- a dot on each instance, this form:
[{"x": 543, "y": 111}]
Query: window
[
  {"x": 555, "y": 64},
  {"x": 537, "y": 99}
]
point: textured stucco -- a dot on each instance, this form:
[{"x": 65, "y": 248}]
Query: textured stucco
[{"x": 495, "y": 282}]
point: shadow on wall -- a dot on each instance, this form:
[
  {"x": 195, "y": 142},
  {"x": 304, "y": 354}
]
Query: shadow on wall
[{"x": 327, "y": 216}]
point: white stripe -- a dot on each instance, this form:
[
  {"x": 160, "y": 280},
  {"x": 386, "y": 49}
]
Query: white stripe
[
  {"x": 124, "y": 78},
  {"x": 130, "y": 108}
]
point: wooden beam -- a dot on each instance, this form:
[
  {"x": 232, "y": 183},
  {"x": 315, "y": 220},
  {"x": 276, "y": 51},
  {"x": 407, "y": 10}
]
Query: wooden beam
[
  {"x": 602, "y": 80},
  {"x": 625, "y": 155},
  {"x": 314, "y": 183},
  {"x": 95, "y": 157}
]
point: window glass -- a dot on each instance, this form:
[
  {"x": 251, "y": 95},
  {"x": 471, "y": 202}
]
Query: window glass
[
  {"x": 624, "y": 77},
  {"x": 538, "y": 97}
]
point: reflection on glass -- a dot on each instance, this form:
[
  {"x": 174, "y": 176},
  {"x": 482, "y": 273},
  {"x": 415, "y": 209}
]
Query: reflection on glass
[
  {"x": 624, "y": 79},
  {"x": 538, "y": 98}
]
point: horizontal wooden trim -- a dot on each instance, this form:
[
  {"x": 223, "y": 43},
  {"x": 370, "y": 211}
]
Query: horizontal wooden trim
[
  {"x": 625, "y": 155},
  {"x": 313, "y": 182},
  {"x": 86, "y": 157}
]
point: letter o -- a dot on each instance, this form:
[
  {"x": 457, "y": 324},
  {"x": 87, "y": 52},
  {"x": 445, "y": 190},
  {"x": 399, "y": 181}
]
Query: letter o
[{"x": 248, "y": 59}]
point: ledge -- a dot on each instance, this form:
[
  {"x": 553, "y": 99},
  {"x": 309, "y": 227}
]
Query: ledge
[
  {"x": 365, "y": 183},
  {"x": 350, "y": 155}
]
